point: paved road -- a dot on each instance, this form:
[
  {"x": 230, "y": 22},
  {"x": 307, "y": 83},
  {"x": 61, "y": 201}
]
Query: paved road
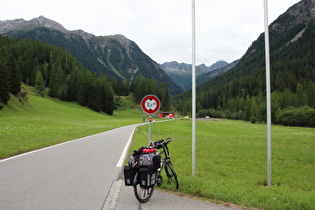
[
  {"x": 80, "y": 174},
  {"x": 74, "y": 175}
]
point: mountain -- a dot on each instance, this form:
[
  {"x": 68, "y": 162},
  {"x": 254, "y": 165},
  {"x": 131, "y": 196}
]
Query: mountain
[
  {"x": 180, "y": 73},
  {"x": 185, "y": 68},
  {"x": 240, "y": 92},
  {"x": 116, "y": 56},
  {"x": 216, "y": 71},
  {"x": 218, "y": 65}
]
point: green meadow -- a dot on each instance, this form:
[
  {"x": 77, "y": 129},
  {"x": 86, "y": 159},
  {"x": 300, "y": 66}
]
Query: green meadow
[
  {"x": 231, "y": 162},
  {"x": 41, "y": 122}
]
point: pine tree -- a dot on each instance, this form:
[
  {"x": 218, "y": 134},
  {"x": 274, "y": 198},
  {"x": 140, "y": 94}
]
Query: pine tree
[
  {"x": 4, "y": 86},
  {"x": 108, "y": 98},
  {"x": 14, "y": 76},
  {"x": 39, "y": 82},
  {"x": 301, "y": 95},
  {"x": 56, "y": 83},
  {"x": 165, "y": 98},
  {"x": 310, "y": 90}
]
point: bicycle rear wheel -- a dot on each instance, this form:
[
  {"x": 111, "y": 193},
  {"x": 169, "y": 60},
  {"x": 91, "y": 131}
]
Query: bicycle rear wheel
[
  {"x": 171, "y": 175},
  {"x": 143, "y": 194}
]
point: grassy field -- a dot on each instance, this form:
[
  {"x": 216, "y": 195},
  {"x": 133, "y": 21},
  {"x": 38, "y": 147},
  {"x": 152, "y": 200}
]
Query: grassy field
[
  {"x": 231, "y": 165},
  {"x": 41, "y": 122}
]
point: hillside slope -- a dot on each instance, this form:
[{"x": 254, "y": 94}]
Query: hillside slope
[{"x": 44, "y": 121}]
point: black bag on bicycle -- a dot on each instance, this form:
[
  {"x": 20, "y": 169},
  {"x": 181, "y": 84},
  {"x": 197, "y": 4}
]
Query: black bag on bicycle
[
  {"x": 146, "y": 164},
  {"x": 129, "y": 174},
  {"x": 147, "y": 177}
]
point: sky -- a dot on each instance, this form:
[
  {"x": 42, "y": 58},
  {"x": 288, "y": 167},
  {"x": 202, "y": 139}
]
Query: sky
[{"x": 161, "y": 28}]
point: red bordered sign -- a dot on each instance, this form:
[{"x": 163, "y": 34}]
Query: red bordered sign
[{"x": 150, "y": 104}]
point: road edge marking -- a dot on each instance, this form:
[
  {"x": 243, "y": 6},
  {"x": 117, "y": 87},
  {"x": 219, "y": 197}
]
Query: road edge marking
[{"x": 124, "y": 152}]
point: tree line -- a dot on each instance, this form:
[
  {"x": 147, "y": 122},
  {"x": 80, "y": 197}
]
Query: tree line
[
  {"x": 145, "y": 86},
  {"x": 44, "y": 66}
]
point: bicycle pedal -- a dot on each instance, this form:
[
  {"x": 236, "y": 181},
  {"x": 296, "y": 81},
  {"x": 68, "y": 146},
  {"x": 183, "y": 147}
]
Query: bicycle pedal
[{"x": 159, "y": 180}]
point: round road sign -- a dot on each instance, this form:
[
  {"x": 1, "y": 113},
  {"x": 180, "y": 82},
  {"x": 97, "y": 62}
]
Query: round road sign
[{"x": 150, "y": 104}]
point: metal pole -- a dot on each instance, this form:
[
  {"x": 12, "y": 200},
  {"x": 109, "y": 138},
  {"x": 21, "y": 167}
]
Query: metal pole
[
  {"x": 269, "y": 163},
  {"x": 150, "y": 130},
  {"x": 193, "y": 90}
]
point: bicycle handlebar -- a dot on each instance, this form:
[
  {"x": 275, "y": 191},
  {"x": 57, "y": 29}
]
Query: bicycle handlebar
[
  {"x": 169, "y": 140},
  {"x": 162, "y": 143}
]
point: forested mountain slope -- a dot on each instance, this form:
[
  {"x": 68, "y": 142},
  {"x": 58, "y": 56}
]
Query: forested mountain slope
[
  {"x": 240, "y": 92},
  {"x": 116, "y": 56},
  {"x": 50, "y": 68}
]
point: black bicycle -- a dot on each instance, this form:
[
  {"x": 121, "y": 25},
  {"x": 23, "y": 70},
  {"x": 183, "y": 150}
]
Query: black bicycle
[{"x": 145, "y": 169}]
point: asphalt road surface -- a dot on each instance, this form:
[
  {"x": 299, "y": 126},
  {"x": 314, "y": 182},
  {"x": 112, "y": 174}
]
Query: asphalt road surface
[{"x": 80, "y": 174}]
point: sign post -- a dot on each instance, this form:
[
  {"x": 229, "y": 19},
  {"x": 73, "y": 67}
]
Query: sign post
[{"x": 150, "y": 104}]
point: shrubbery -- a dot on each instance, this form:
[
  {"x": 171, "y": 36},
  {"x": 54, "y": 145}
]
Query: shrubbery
[
  {"x": 303, "y": 116},
  {"x": 297, "y": 116}
]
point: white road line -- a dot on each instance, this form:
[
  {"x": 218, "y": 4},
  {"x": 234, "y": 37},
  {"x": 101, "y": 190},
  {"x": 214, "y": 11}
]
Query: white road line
[{"x": 124, "y": 152}]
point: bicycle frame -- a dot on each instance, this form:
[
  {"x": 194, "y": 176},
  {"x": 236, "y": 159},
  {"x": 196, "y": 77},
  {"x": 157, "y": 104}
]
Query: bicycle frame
[
  {"x": 171, "y": 176},
  {"x": 166, "y": 157}
]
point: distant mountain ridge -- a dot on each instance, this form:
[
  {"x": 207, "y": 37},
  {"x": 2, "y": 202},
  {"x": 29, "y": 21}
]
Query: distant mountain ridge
[
  {"x": 115, "y": 55},
  {"x": 180, "y": 73},
  {"x": 184, "y": 67}
]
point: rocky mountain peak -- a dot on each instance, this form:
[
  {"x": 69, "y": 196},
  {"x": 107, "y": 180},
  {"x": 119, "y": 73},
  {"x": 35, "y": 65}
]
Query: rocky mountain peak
[
  {"x": 301, "y": 12},
  {"x": 126, "y": 43},
  {"x": 217, "y": 65},
  {"x": 8, "y": 25},
  {"x": 21, "y": 24},
  {"x": 83, "y": 34},
  {"x": 48, "y": 23}
]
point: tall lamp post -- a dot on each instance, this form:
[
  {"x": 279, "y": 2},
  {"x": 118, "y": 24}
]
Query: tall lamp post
[
  {"x": 269, "y": 163},
  {"x": 193, "y": 90}
]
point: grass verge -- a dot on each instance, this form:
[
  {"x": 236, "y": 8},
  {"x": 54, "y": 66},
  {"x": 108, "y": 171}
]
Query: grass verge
[{"x": 231, "y": 163}]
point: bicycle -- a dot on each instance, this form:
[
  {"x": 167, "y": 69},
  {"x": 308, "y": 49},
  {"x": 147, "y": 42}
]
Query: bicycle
[{"x": 143, "y": 177}]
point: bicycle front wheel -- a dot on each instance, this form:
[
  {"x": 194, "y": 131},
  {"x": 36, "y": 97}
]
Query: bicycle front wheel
[
  {"x": 143, "y": 194},
  {"x": 171, "y": 175}
]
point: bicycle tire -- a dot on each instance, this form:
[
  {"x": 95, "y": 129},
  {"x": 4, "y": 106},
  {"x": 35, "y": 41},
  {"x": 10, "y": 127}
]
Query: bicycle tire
[
  {"x": 171, "y": 175},
  {"x": 142, "y": 194}
]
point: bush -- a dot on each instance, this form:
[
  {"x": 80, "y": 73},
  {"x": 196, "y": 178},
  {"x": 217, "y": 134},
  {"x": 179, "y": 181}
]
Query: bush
[
  {"x": 301, "y": 116},
  {"x": 253, "y": 119}
]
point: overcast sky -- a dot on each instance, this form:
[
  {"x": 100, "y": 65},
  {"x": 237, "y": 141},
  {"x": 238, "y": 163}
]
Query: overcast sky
[{"x": 162, "y": 28}]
